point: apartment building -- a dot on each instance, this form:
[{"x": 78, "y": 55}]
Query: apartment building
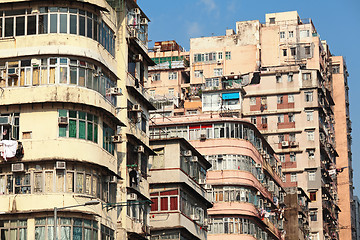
[
  {"x": 356, "y": 207},
  {"x": 245, "y": 180},
  {"x": 285, "y": 71},
  {"x": 179, "y": 199},
  {"x": 67, "y": 93},
  {"x": 343, "y": 145}
]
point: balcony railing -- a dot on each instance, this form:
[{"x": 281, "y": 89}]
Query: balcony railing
[{"x": 131, "y": 81}]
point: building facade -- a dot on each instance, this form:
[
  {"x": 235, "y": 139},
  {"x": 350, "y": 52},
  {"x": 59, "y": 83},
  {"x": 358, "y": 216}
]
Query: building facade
[
  {"x": 179, "y": 199},
  {"x": 245, "y": 180},
  {"x": 67, "y": 92}
]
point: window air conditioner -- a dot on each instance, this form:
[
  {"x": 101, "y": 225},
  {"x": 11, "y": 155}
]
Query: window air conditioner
[
  {"x": 140, "y": 149},
  {"x": 187, "y": 153},
  {"x": 195, "y": 217},
  {"x": 13, "y": 72},
  {"x": 114, "y": 91},
  {"x": 5, "y": 120},
  {"x": 63, "y": 120},
  {"x": 17, "y": 167},
  {"x": 194, "y": 159},
  {"x": 60, "y": 165},
  {"x": 202, "y": 181},
  {"x": 138, "y": 58},
  {"x": 132, "y": 196},
  {"x": 203, "y": 136},
  {"x": 136, "y": 108},
  {"x": 207, "y": 187},
  {"x": 285, "y": 143},
  {"x": 137, "y": 10},
  {"x": 258, "y": 165},
  {"x": 144, "y": 21},
  {"x": 116, "y": 139}
]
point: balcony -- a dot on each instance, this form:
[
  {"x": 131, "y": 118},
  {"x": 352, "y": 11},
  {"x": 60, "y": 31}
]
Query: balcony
[{"x": 134, "y": 85}]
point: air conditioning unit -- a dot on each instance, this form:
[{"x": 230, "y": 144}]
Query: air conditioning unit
[
  {"x": 17, "y": 167},
  {"x": 219, "y": 62},
  {"x": 267, "y": 156},
  {"x": 140, "y": 149},
  {"x": 116, "y": 139},
  {"x": 271, "y": 186},
  {"x": 187, "y": 153},
  {"x": 5, "y": 120},
  {"x": 207, "y": 221},
  {"x": 220, "y": 157},
  {"x": 269, "y": 204},
  {"x": 203, "y": 136},
  {"x": 114, "y": 91},
  {"x": 194, "y": 159},
  {"x": 36, "y": 62},
  {"x": 133, "y": 33},
  {"x": 13, "y": 72},
  {"x": 132, "y": 197},
  {"x": 113, "y": 179},
  {"x": 63, "y": 120},
  {"x": 258, "y": 193},
  {"x": 137, "y": 10},
  {"x": 291, "y": 73},
  {"x": 144, "y": 21},
  {"x": 258, "y": 165},
  {"x": 195, "y": 217},
  {"x": 300, "y": 216},
  {"x": 60, "y": 165},
  {"x": 136, "y": 108},
  {"x": 207, "y": 187},
  {"x": 202, "y": 181},
  {"x": 285, "y": 143},
  {"x": 138, "y": 58}
]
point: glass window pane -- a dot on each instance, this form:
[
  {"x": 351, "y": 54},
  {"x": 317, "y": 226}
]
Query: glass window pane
[
  {"x": 82, "y": 129},
  {"x": 89, "y": 27},
  {"x": 81, "y": 26},
  {"x": 63, "y": 75},
  {"x": 20, "y": 26},
  {"x": 31, "y": 25},
  {"x": 62, "y": 131},
  {"x": 77, "y": 233},
  {"x": 73, "y": 75},
  {"x": 90, "y": 131},
  {"x": 9, "y": 27},
  {"x": 73, "y": 114},
  {"x": 53, "y": 23},
  {"x": 43, "y": 24},
  {"x": 81, "y": 76},
  {"x": 72, "y": 128},
  {"x": 73, "y": 24},
  {"x": 95, "y": 133},
  {"x": 82, "y": 115},
  {"x": 63, "y": 23}
]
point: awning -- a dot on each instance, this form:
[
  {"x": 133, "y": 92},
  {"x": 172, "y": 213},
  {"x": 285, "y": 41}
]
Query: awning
[{"x": 226, "y": 96}]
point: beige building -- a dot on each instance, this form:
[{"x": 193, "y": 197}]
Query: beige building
[
  {"x": 343, "y": 145},
  {"x": 285, "y": 70},
  {"x": 72, "y": 75}
]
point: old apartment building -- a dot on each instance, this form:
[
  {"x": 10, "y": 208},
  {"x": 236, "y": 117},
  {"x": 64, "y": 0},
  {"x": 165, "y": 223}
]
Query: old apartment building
[
  {"x": 290, "y": 81},
  {"x": 74, "y": 120}
]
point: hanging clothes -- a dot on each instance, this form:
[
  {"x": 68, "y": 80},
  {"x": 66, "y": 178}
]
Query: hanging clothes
[{"x": 9, "y": 148}]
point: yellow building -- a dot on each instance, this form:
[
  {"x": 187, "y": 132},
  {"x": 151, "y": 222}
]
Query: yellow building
[{"x": 73, "y": 120}]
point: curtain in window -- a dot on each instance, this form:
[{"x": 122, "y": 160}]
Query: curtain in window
[
  {"x": 65, "y": 233},
  {"x": 39, "y": 233},
  {"x": 173, "y": 203}
]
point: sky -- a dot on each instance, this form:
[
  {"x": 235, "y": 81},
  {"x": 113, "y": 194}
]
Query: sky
[{"x": 337, "y": 22}]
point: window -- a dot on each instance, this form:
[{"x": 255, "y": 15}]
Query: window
[
  {"x": 309, "y": 96},
  {"x": 282, "y": 34},
  {"x": 11, "y": 131},
  {"x": 253, "y": 120},
  {"x": 171, "y": 92},
  {"x": 279, "y": 99},
  {"x": 304, "y": 33},
  {"x": 336, "y": 69},
  {"x": 312, "y": 176},
  {"x": 292, "y": 157},
  {"x": 81, "y": 125},
  {"x": 291, "y": 98},
  {"x": 309, "y": 115},
  {"x": 211, "y": 82},
  {"x": 106, "y": 233},
  {"x": 293, "y": 51},
  {"x": 156, "y": 76},
  {"x": 278, "y": 78},
  {"x": 281, "y": 137},
  {"x": 220, "y": 56},
  {"x": 291, "y": 117},
  {"x": 313, "y": 215},
  {"x": 291, "y": 34},
  {"x": 272, "y": 20},
  {"x": 13, "y": 229},
  {"x": 218, "y": 72},
  {"x": 264, "y": 119},
  {"x": 172, "y": 75},
  {"x": 198, "y": 73},
  {"x": 293, "y": 177},
  {"x": 310, "y": 135},
  {"x": 152, "y": 93},
  {"x": 307, "y": 50},
  {"x": 306, "y": 76},
  {"x": 284, "y": 52},
  {"x": 292, "y": 137},
  {"x": 108, "y": 145},
  {"x": 310, "y": 153},
  {"x": 205, "y": 57},
  {"x": 282, "y": 157},
  {"x": 228, "y": 55},
  {"x": 252, "y": 100},
  {"x": 312, "y": 196},
  {"x": 290, "y": 77},
  {"x": 281, "y": 118}
]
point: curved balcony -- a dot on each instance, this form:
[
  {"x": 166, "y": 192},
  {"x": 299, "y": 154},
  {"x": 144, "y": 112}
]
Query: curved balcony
[
  {"x": 233, "y": 208},
  {"x": 232, "y": 236},
  {"x": 56, "y": 93},
  {"x": 68, "y": 149},
  {"x": 56, "y": 44}
]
